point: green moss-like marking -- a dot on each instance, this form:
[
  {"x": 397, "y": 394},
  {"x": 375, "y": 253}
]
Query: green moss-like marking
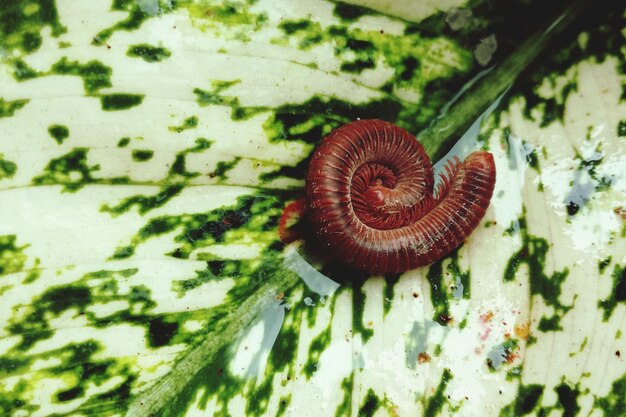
[
  {"x": 119, "y": 394},
  {"x": 551, "y": 109},
  {"x": 8, "y": 108},
  {"x": 160, "y": 331},
  {"x": 78, "y": 364},
  {"x": 390, "y": 282},
  {"x": 148, "y": 53},
  {"x": 533, "y": 253},
  {"x": 312, "y": 120},
  {"x": 123, "y": 252},
  {"x": 344, "y": 409},
  {"x": 58, "y": 300},
  {"x": 621, "y": 128},
  {"x": 618, "y": 292},
  {"x": 581, "y": 348},
  {"x": 317, "y": 346},
  {"x": 214, "y": 97},
  {"x": 290, "y": 27},
  {"x": 115, "y": 102},
  {"x": 22, "y": 71},
  {"x": 412, "y": 56},
  {"x": 358, "y": 311},
  {"x": 603, "y": 28},
  {"x": 434, "y": 404},
  {"x": 371, "y": 403},
  {"x": 142, "y": 155},
  {"x": 71, "y": 169},
  {"x": 78, "y": 296},
  {"x": 358, "y": 65},
  {"x": 439, "y": 292},
  {"x": 282, "y": 405},
  {"x": 174, "y": 183},
  {"x": 143, "y": 202},
  {"x": 603, "y": 264},
  {"x": 59, "y": 133},
  {"x": 16, "y": 399},
  {"x": 7, "y": 168},
  {"x": 223, "y": 167},
  {"x": 12, "y": 257},
  {"x": 21, "y": 23},
  {"x": 73, "y": 172},
  {"x": 70, "y": 394},
  {"x": 227, "y": 17},
  {"x": 123, "y": 142},
  {"x": 568, "y": 400},
  {"x": 614, "y": 403},
  {"x": 550, "y": 324},
  {"x": 10, "y": 365},
  {"x": 350, "y": 12},
  {"x": 208, "y": 97},
  {"x": 259, "y": 400},
  {"x": 138, "y": 13},
  {"x": 583, "y": 344},
  {"x": 527, "y": 399},
  {"x": 95, "y": 74},
  {"x": 216, "y": 270},
  {"x": 54, "y": 301},
  {"x": 179, "y": 168},
  {"x": 188, "y": 123},
  {"x": 81, "y": 366},
  {"x": 203, "y": 229},
  {"x": 462, "y": 279}
]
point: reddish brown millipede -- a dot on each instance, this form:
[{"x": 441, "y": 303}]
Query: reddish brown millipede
[{"x": 371, "y": 201}]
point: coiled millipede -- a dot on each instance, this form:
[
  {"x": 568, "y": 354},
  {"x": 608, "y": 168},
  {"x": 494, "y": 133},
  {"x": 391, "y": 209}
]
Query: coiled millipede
[{"x": 370, "y": 198}]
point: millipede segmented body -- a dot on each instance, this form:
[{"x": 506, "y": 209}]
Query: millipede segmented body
[{"x": 370, "y": 198}]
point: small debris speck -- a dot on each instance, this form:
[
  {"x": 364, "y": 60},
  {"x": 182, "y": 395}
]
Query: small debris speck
[
  {"x": 485, "y": 50},
  {"x": 458, "y": 18}
]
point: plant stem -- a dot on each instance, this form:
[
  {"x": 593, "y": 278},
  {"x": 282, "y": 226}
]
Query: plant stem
[{"x": 445, "y": 131}]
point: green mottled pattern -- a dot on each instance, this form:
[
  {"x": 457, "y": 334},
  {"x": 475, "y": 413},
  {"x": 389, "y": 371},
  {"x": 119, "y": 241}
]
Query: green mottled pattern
[
  {"x": 7, "y": 168},
  {"x": 149, "y": 147},
  {"x": 59, "y": 133},
  {"x": 148, "y": 53},
  {"x": 8, "y": 108}
]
